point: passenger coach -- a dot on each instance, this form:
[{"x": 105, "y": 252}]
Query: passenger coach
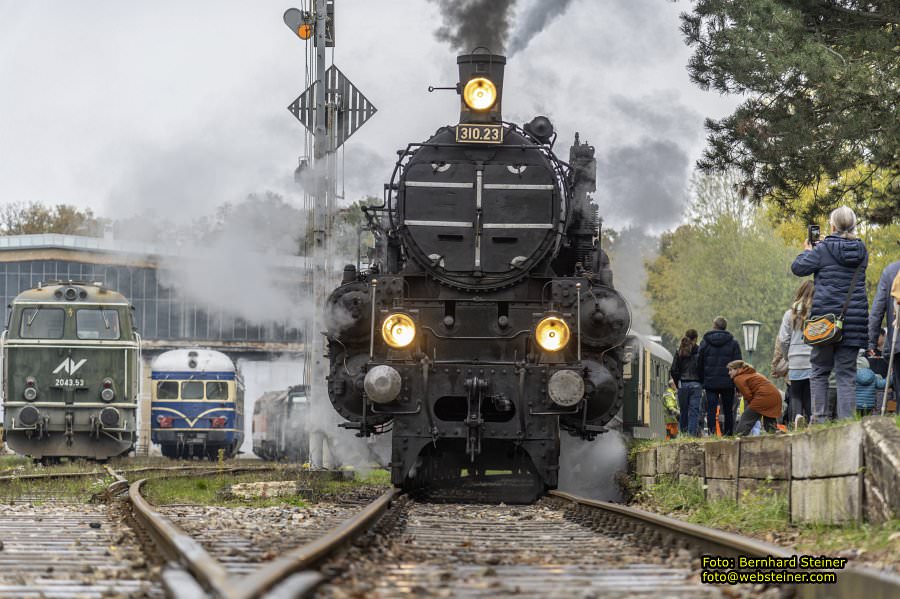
[{"x": 197, "y": 404}]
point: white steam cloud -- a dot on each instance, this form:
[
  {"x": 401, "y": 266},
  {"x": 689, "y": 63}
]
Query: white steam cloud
[{"x": 589, "y": 468}]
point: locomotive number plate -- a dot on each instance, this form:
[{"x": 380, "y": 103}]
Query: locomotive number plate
[
  {"x": 69, "y": 383},
  {"x": 479, "y": 134}
]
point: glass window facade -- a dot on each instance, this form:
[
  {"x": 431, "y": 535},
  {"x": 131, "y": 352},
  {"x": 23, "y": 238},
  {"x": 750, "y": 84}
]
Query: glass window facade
[{"x": 160, "y": 313}]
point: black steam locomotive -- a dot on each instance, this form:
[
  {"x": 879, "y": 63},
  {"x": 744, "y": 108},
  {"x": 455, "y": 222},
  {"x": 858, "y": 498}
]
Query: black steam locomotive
[{"x": 487, "y": 320}]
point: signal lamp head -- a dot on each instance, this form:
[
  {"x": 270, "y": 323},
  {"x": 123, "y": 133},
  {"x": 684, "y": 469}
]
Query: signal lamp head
[
  {"x": 107, "y": 392},
  {"x": 30, "y": 393},
  {"x": 300, "y": 22},
  {"x": 480, "y": 94},
  {"x": 552, "y": 333},
  {"x": 398, "y": 330}
]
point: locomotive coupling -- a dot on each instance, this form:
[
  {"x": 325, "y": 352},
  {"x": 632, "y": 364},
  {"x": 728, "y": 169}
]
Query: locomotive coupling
[{"x": 382, "y": 384}]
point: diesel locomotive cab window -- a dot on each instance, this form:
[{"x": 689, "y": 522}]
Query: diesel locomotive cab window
[
  {"x": 217, "y": 390},
  {"x": 97, "y": 324},
  {"x": 167, "y": 390},
  {"x": 42, "y": 323},
  {"x": 192, "y": 390}
]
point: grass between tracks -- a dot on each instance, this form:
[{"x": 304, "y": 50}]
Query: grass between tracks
[
  {"x": 308, "y": 488},
  {"x": 16, "y": 484},
  {"x": 765, "y": 515},
  {"x": 37, "y": 492}
]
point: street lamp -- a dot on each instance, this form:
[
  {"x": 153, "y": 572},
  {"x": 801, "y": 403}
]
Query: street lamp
[{"x": 751, "y": 335}]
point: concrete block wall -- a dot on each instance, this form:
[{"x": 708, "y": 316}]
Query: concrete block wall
[
  {"x": 827, "y": 472},
  {"x": 834, "y": 475}
]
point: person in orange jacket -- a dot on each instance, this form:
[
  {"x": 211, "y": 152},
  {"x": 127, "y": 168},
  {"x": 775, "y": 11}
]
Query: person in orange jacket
[{"x": 761, "y": 398}]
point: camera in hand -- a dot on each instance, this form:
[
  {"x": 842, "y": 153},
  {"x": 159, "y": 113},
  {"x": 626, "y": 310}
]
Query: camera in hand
[{"x": 814, "y": 235}]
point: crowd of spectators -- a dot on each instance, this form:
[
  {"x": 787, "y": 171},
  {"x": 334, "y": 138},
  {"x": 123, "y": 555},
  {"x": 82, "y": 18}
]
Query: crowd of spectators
[{"x": 838, "y": 379}]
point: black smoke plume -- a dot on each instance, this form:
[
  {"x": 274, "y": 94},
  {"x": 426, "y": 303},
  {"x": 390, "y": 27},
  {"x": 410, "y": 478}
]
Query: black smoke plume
[
  {"x": 469, "y": 24},
  {"x": 533, "y": 21}
]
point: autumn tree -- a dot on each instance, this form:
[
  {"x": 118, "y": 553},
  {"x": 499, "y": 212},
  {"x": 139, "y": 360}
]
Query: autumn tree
[
  {"x": 821, "y": 86},
  {"x": 725, "y": 261},
  {"x": 31, "y": 218}
]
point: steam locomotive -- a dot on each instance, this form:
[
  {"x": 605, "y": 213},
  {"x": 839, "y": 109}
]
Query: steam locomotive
[{"x": 487, "y": 320}]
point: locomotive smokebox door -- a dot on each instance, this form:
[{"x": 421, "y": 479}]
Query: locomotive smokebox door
[{"x": 481, "y": 89}]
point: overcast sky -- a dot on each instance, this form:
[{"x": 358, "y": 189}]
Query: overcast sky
[{"x": 175, "y": 107}]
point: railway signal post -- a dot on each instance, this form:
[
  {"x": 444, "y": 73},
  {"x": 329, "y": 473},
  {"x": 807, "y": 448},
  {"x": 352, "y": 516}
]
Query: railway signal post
[{"x": 331, "y": 109}]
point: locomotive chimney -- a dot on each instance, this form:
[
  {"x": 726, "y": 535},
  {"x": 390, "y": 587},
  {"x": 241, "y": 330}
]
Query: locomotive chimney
[{"x": 481, "y": 87}]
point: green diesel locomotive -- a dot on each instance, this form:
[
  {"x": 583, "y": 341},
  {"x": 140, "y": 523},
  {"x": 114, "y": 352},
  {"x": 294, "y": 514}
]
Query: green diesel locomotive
[{"x": 71, "y": 372}]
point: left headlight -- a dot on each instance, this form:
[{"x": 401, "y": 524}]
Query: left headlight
[
  {"x": 30, "y": 393},
  {"x": 480, "y": 94},
  {"x": 552, "y": 333},
  {"x": 398, "y": 330}
]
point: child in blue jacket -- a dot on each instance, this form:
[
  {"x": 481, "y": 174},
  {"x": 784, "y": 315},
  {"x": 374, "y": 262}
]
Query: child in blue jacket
[{"x": 867, "y": 385}]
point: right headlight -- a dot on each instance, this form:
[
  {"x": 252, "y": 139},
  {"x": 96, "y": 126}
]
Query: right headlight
[
  {"x": 398, "y": 330},
  {"x": 552, "y": 333}
]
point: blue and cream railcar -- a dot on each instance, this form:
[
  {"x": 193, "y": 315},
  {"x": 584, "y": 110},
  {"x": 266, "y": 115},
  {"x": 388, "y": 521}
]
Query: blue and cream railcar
[{"x": 197, "y": 404}]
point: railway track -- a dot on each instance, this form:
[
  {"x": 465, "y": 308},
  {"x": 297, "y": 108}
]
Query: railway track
[
  {"x": 58, "y": 543},
  {"x": 562, "y": 545},
  {"x": 62, "y": 547}
]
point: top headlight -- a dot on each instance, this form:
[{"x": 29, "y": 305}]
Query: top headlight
[
  {"x": 398, "y": 330},
  {"x": 552, "y": 333},
  {"x": 480, "y": 94}
]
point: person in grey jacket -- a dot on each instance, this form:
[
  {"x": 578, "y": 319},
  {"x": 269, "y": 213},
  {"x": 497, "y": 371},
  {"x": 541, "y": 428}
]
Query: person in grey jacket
[
  {"x": 883, "y": 306},
  {"x": 790, "y": 337},
  {"x": 838, "y": 265}
]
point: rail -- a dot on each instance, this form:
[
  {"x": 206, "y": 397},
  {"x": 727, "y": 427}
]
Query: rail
[
  {"x": 852, "y": 582},
  {"x": 178, "y": 546},
  {"x": 289, "y": 575},
  {"x": 198, "y": 574}
]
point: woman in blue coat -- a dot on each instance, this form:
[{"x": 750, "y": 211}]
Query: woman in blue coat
[{"x": 834, "y": 262}]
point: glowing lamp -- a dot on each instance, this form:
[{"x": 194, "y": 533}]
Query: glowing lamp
[
  {"x": 480, "y": 94},
  {"x": 398, "y": 330},
  {"x": 552, "y": 333}
]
